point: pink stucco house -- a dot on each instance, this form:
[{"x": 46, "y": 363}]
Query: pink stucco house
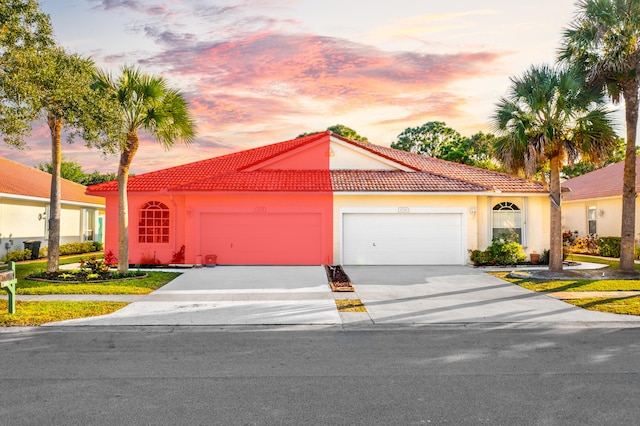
[{"x": 324, "y": 199}]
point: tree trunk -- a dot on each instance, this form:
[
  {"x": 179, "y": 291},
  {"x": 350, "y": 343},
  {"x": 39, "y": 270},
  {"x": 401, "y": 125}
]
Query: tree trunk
[
  {"x": 126, "y": 157},
  {"x": 555, "y": 218},
  {"x": 627, "y": 243},
  {"x": 53, "y": 249}
]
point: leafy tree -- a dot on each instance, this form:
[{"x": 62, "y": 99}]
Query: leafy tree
[
  {"x": 341, "y": 130},
  {"x": 69, "y": 170},
  {"x": 432, "y": 138},
  {"x": 347, "y": 132},
  {"x": 41, "y": 81},
  {"x": 96, "y": 177},
  {"x": 603, "y": 42},
  {"x": 584, "y": 166},
  {"x": 145, "y": 103},
  {"x": 72, "y": 171},
  {"x": 475, "y": 150},
  {"x": 549, "y": 116}
]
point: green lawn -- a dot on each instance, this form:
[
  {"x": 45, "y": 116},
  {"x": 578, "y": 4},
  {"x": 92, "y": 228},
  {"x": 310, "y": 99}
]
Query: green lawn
[
  {"x": 153, "y": 281},
  {"x": 622, "y": 305},
  {"x": 30, "y": 313},
  {"x": 613, "y": 263},
  {"x": 571, "y": 285}
]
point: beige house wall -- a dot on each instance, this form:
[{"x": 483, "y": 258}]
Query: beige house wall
[
  {"x": 22, "y": 220},
  {"x": 608, "y": 216}
]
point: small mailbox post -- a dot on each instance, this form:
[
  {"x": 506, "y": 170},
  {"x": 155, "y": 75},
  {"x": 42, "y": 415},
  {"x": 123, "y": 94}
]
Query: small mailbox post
[{"x": 8, "y": 281}]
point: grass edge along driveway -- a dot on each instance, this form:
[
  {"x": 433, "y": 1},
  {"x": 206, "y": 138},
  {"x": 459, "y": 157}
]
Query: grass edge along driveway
[
  {"x": 624, "y": 305},
  {"x": 33, "y": 313}
]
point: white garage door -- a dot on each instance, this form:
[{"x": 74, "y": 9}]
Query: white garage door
[{"x": 403, "y": 239}]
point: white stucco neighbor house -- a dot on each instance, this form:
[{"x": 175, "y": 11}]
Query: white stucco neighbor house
[
  {"x": 323, "y": 199},
  {"x": 24, "y": 208}
]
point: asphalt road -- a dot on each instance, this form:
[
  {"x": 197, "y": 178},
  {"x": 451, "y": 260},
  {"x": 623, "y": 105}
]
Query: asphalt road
[{"x": 270, "y": 376}]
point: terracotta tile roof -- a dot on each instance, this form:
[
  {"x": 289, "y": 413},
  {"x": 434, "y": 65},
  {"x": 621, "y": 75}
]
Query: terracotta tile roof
[
  {"x": 604, "y": 182},
  {"x": 193, "y": 172},
  {"x": 18, "y": 179},
  {"x": 263, "y": 180},
  {"x": 396, "y": 180},
  {"x": 486, "y": 178},
  {"x": 226, "y": 173}
]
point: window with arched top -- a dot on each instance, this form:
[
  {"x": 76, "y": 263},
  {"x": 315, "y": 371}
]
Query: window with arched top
[
  {"x": 153, "y": 223},
  {"x": 507, "y": 219}
]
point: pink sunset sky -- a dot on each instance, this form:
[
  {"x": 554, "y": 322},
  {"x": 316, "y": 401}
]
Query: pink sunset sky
[{"x": 261, "y": 71}]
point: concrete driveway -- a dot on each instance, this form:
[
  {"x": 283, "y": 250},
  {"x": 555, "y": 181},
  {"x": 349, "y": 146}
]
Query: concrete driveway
[
  {"x": 459, "y": 294},
  {"x": 300, "y": 295},
  {"x": 232, "y": 295}
]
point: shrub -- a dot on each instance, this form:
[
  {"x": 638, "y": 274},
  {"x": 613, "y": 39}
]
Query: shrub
[
  {"x": 586, "y": 245},
  {"x": 17, "y": 255},
  {"x": 636, "y": 252},
  {"x": 178, "y": 256},
  {"x": 544, "y": 258},
  {"x": 94, "y": 265},
  {"x": 609, "y": 246},
  {"x": 146, "y": 259},
  {"x": 110, "y": 258},
  {"x": 504, "y": 250},
  {"x": 79, "y": 248}
]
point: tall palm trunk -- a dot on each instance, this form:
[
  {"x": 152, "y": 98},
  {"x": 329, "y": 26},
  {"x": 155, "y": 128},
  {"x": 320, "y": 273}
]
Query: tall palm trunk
[
  {"x": 630, "y": 93},
  {"x": 53, "y": 249},
  {"x": 126, "y": 157},
  {"x": 555, "y": 217}
]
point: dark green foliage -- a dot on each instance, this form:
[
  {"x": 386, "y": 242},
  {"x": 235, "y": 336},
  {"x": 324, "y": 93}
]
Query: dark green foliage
[
  {"x": 504, "y": 250},
  {"x": 609, "y": 246},
  {"x": 341, "y": 130},
  {"x": 71, "y": 170},
  {"x": 17, "y": 255}
]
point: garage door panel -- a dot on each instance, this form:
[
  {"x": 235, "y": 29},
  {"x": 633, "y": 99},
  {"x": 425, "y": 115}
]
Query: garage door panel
[
  {"x": 402, "y": 239},
  {"x": 261, "y": 238}
]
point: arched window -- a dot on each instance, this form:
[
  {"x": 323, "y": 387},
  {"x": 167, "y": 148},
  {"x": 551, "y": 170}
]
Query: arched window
[
  {"x": 153, "y": 223},
  {"x": 507, "y": 219}
]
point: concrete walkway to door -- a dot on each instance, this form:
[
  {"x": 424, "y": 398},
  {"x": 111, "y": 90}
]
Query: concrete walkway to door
[{"x": 461, "y": 294}]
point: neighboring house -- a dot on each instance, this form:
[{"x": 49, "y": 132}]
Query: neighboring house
[
  {"x": 24, "y": 208},
  {"x": 324, "y": 199},
  {"x": 594, "y": 203}
]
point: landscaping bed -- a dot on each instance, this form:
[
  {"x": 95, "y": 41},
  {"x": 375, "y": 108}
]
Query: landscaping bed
[
  {"x": 84, "y": 276},
  {"x": 338, "y": 278}
]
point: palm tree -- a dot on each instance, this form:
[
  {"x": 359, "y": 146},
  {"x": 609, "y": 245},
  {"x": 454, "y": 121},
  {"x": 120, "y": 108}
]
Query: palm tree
[
  {"x": 603, "y": 42},
  {"x": 549, "y": 117},
  {"x": 145, "y": 103}
]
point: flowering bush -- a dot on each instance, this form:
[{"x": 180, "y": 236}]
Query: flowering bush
[
  {"x": 504, "y": 250},
  {"x": 586, "y": 245}
]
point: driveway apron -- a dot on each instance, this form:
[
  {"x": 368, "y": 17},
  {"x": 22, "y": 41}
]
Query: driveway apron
[
  {"x": 232, "y": 295},
  {"x": 459, "y": 294}
]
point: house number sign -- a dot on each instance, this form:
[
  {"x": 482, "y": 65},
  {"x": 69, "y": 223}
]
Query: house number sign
[{"x": 403, "y": 210}]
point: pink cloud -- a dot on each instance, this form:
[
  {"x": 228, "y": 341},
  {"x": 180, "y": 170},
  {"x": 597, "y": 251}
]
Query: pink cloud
[{"x": 264, "y": 76}]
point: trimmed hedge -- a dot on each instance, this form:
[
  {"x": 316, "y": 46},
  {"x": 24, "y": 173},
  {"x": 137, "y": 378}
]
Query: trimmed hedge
[
  {"x": 65, "y": 250},
  {"x": 17, "y": 255},
  {"x": 80, "y": 248},
  {"x": 609, "y": 246}
]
